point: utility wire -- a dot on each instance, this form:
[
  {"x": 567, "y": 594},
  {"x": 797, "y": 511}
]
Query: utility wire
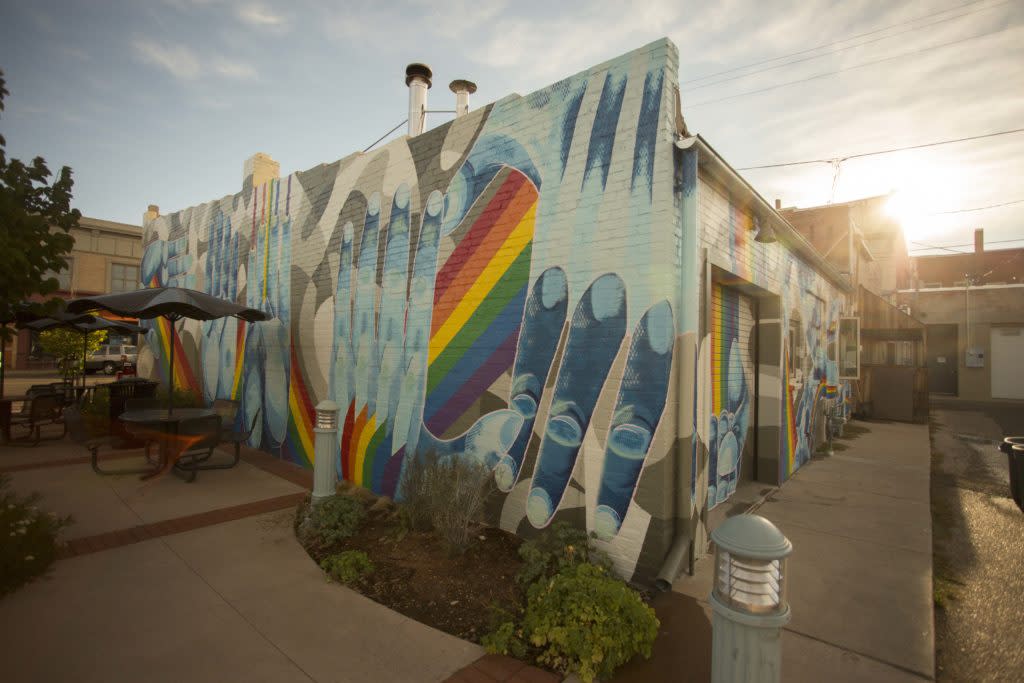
[
  {"x": 886, "y": 151},
  {"x": 838, "y": 50},
  {"x": 978, "y": 208},
  {"x": 950, "y": 247},
  {"x": 385, "y": 135},
  {"x": 849, "y": 68},
  {"x": 835, "y": 42}
]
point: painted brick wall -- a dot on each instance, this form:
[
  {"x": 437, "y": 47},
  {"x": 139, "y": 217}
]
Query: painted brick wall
[
  {"x": 502, "y": 289},
  {"x": 807, "y": 300}
]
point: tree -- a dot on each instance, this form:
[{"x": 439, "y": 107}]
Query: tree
[
  {"x": 66, "y": 345},
  {"x": 35, "y": 222}
]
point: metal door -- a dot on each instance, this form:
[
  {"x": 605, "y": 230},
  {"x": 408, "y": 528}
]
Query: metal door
[
  {"x": 942, "y": 359},
  {"x": 1007, "y": 369}
]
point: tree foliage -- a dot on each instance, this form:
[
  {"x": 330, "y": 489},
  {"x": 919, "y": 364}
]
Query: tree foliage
[
  {"x": 35, "y": 222},
  {"x": 66, "y": 345}
]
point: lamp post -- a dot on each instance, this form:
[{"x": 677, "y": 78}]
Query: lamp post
[
  {"x": 326, "y": 447},
  {"x": 748, "y": 600}
]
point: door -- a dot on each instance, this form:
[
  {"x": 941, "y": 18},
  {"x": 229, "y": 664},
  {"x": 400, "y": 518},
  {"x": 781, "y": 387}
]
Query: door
[
  {"x": 942, "y": 359},
  {"x": 732, "y": 392},
  {"x": 1007, "y": 369}
]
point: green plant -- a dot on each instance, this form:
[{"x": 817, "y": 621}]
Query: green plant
[
  {"x": 414, "y": 500},
  {"x": 36, "y": 219},
  {"x": 559, "y": 546},
  {"x": 336, "y": 518},
  {"x": 28, "y": 538},
  {"x": 348, "y": 567},
  {"x": 67, "y": 346},
  {"x": 446, "y": 494},
  {"x": 582, "y": 620}
]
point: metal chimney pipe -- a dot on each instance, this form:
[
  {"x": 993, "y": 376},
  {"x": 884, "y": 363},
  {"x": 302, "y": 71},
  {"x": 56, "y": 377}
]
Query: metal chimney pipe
[
  {"x": 417, "y": 77},
  {"x": 462, "y": 89}
]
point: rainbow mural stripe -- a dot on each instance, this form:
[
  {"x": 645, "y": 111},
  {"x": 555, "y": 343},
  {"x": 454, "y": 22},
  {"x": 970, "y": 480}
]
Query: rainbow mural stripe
[
  {"x": 478, "y": 304},
  {"x": 298, "y": 445},
  {"x": 789, "y": 436}
]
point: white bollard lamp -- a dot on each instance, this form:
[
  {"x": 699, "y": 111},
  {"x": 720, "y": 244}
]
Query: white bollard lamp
[
  {"x": 748, "y": 600},
  {"x": 325, "y": 449}
]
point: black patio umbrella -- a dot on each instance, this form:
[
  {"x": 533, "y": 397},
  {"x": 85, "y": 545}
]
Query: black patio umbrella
[
  {"x": 91, "y": 324},
  {"x": 21, "y": 315},
  {"x": 172, "y": 303}
]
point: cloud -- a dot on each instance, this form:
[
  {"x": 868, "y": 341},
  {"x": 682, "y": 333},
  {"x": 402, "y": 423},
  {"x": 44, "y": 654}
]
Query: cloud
[
  {"x": 177, "y": 60},
  {"x": 260, "y": 16},
  {"x": 238, "y": 71}
]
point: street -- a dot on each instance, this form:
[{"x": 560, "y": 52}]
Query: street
[{"x": 978, "y": 543}]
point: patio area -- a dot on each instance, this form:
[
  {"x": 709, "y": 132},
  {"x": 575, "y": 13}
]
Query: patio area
[{"x": 167, "y": 581}]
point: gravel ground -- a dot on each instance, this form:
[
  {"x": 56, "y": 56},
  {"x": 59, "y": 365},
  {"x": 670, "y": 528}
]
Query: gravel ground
[{"x": 978, "y": 546}]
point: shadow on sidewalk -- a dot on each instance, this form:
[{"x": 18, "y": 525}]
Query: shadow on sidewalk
[{"x": 682, "y": 651}]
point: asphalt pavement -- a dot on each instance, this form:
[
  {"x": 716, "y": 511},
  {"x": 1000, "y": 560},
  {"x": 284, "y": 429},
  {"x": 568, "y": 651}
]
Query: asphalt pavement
[{"x": 978, "y": 543}]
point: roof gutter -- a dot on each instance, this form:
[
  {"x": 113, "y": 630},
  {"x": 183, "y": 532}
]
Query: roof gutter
[{"x": 712, "y": 162}]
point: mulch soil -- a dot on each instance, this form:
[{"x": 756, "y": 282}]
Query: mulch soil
[{"x": 416, "y": 574}]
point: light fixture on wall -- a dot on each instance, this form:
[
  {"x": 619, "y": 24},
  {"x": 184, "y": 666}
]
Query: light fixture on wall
[{"x": 765, "y": 231}]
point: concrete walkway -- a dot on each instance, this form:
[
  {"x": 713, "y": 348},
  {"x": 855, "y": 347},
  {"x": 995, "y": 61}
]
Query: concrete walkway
[
  {"x": 860, "y": 576},
  {"x": 233, "y": 600}
]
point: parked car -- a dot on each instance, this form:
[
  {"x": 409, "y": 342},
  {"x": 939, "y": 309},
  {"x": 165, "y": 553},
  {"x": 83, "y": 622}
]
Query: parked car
[{"x": 112, "y": 357}]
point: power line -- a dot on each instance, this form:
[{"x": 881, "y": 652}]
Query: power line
[
  {"x": 849, "y": 68},
  {"x": 950, "y": 247},
  {"x": 886, "y": 151},
  {"x": 836, "y": 51},
  {"x": 978, "y": 208},
  {"x": 835, "y": 42}
]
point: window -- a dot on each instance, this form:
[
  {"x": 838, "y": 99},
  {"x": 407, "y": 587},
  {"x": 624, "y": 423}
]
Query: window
[
  {"x": 849, "y": 348},
  {"x": 123, "y": 278},
  {"x": 796, "y": 346}
]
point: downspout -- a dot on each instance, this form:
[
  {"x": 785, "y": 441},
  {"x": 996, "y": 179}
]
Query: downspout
[{"x": 682, "y": 548}]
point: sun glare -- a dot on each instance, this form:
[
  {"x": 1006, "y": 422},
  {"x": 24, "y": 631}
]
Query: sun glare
[{"x": 921, "y": 192}]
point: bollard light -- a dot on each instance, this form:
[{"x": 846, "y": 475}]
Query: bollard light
[
  {"x": 325, "y": 449},
  {"x": 327, "y": 415},
  {"x": 748, "y": 599}
]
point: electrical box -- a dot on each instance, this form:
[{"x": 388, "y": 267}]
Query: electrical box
[{"x": 975, "y": 357}]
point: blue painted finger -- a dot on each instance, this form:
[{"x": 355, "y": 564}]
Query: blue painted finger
[
  {"x": 598, "y": 326},
  {"x": 638, "y": 410},
  {"x": 363, "y": 333},
  {"x": 543, "y": 319}
]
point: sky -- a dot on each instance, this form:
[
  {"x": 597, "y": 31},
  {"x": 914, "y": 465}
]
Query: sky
[{"x": 161, "y": 101}]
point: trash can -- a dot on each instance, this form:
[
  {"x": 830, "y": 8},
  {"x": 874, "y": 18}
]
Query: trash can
[
  {"x": 120, "y": 392},
  {"x": 1013, "y": 446}
]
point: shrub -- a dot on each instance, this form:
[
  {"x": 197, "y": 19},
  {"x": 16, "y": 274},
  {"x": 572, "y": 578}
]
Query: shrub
[
  {"x": 459, "y": 489},
  {"x": 336, "y": 518},
  {"x": 582, "y": 620},
  {"x": 28, "y": 538},
  {"x": 446, "y": 494},
  {"x": 560, "y": 546},
  {"x": 349, "y": 567},
  {"x": 415, "y": 502}
]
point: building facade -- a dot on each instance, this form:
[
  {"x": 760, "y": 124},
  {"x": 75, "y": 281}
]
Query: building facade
[
  {"x": 565, "y": 286},
  {"x": 106, "y": 257},
  {"x": 973, "y": 308}
]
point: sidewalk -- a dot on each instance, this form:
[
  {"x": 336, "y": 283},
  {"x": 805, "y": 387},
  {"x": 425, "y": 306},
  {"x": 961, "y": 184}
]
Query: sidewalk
[
  {"x": 860, "y": 582},
  {"x": 168, "y": 581}
]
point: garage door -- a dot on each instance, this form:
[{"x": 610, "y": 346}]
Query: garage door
[
  {"x": 732, "y": 390},
  {"x": 1007, "y": 369}
]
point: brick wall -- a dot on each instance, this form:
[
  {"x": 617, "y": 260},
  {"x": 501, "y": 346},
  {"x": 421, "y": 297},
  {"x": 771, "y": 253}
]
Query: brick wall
[{"x": 502, "y": 289}]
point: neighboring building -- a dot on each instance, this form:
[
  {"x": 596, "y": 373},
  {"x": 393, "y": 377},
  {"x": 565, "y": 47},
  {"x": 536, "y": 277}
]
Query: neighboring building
[
  {"x": 973, "y": 307},
  {"x": 861, "y": 240},
  {"x": 106, "y": 258},
  {"x": 862, "y": 227},
  {"x": 567, "y": 287}
]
